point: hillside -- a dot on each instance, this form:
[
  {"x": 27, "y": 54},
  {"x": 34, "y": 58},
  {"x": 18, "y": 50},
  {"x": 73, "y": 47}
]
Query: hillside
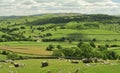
[
  {"x": 67, "y": 42},
  {"x": 58, "y": 26}
]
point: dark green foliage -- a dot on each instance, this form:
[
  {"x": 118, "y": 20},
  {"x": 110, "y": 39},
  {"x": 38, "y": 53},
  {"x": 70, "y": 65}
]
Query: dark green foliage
[
  {"x": 87, "y": 50},
  {"x": 102, "y": 47},
  {"x": 97, "y": 53},
  {"x": 94, "y": 39},
  {"x": 57, "y": 52},
  {"x": 4, "y": 52},
  {"x": 62, "y": 27},
  {"x": 13, "y": 56},
  {"x": 41, "y": 28},
  {"x": 68, "y": 52},
  {"x": 109, "y": 55},
  {"x": 77, "y": 52},
  {"x": 48, "y": 34},
  {"x": 107, "y": 45},
  {"x": 63, "y": 39},
  {"x": 70, "y": 40},
  {"x": 45, "y": 27},
  {"x": 92, "y": 44},
  {"x": 7, "y": 37},
  {"x": 26, "y": 20},
  {"x": 114, "y": 46},
  {"x": 80, "y": 43},
  {"x": 78, "y": 18},
  {"x": 50, "y": 48},
  {"x": 59, "y": 46},
  {"x": 22, "y": 27},
  {"x": 55, "y": 22}
]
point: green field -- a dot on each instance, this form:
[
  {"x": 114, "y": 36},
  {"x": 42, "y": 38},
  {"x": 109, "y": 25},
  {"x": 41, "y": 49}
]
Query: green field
[
  {"x": 30, "y": 36},
  {"x": 60, "y": 66}
]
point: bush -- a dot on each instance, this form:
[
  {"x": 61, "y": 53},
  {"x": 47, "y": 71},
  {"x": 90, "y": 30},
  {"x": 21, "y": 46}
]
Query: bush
[
  {"x": 22, "y": 27},
  {"x": 92, "y": 44},
  {"x": 48, "y": 34},
  {"x": 94, "y": 40},
  {"x": 59, "y": 46},
  {"x": 114, "y": 46},
  {"x": 87, "y": 51},
  {"x": 79, "y": 44},
  {"x": 57, "y": 53},
  {"x": 50, "y": 48},
  {"x": 107, "y": 45},
  {"x": 68, "y": 52},
  {"x": 5, "y": 52},
  {"x": 13, "y": 56},
  {"x": 102, "y": 48},
  {"x": 109, "y": 55}
]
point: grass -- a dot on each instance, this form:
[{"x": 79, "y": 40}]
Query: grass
[
  {"x": 104, "y": 33},
  {"x": 116, "y": 49},
  {"x": 84, "y": 34},
  {"x": 39, "y": 48},
  {"x": 59, "y": 66},
  {"x": 30, "y": 43},
  {"x": 27, "y": 50},
  {"x": 36, "y": 48},
  {"x": 2, "y": 57}
]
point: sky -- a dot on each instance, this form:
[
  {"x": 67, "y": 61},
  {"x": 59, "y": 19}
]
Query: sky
[{"x": 31, "y": 7}]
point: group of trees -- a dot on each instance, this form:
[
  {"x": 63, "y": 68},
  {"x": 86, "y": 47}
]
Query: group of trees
[
  {"x": 12, "y": 29},
  {"x": 84, "y": 50},
  {"x": 82, "y": 25},
  {"x": 44, "y": 28},
  {"x": 62, "y": 39},
  {"x": 11, "y": 55},
  {"x": 68, "y": 18}
]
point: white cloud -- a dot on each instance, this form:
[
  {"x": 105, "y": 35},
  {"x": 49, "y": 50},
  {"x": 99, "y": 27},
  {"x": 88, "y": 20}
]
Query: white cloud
[{"x": 27, "y": 7}]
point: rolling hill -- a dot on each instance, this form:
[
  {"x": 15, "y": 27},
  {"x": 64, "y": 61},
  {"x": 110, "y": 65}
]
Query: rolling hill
[{"x": 58, "y": 26}]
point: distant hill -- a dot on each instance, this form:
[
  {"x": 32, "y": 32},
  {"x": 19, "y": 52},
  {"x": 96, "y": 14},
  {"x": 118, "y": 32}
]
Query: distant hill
[
  {"x": 8, "y": 17},
  {"x": 59, "y": 26}
]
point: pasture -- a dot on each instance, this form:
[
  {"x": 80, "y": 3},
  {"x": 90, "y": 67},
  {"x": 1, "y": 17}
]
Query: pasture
[
  {"x": 24, "y": 36},
  {"x": 36, "y": 48},
  {"x": 59, "y": 66},
  {"x": 39, "y": 48}
]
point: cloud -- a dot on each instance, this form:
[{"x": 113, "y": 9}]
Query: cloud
[
  {"x": 28, "y": 7},
  {"x": 93, "y": 1}
]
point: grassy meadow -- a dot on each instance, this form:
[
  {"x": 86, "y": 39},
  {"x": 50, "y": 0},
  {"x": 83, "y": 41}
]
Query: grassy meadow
[
  {"x": 60, "y": 66},
  {"x": 31, "y": 35}
]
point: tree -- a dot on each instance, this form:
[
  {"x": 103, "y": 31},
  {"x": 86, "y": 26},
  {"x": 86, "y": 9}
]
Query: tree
[
  {"x": 68, "y": 52},
  {"x": 63, "y": 39},
  {"x": 77, "y": 52},
  {"x": 80, "y": 43},
  {"x": 70, "y": 41},
  {"x": 107, "y": 45},
  {"x": 57, "y": 52},
  {"x": 22, "y": 27},
  {"x": 87, "y": 50},
  {"x": 108, "y": 54},
  {"x": 92, "y": 44},
  {"x": 49, "y": 34},
  {"x": 26, "y": 20},
  {"x": 102, "y": 48},
  {"x": 13, "y": 56},
  {"x": 94, "y": 39},
  {"x": 50, "y": 48},
  {"x": 4, "y": 52},
  {"x": 59, "y": 46}
]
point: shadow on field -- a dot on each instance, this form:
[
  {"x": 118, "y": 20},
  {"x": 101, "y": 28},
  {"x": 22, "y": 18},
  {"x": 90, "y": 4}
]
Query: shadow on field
[{"x": 78, "y": 36}]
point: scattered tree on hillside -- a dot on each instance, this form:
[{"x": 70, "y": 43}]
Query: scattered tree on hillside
[
  {"x": 50, "y": 48},
  {"x": 92, "y": 44}
]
